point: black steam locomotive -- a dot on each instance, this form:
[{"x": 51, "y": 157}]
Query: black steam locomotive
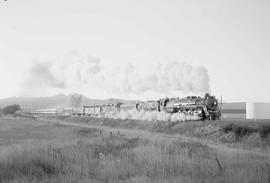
[{"x": 203, "y": 107}]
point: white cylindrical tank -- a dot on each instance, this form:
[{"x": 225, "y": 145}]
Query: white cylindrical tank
[{"x": 258, "y": 110}]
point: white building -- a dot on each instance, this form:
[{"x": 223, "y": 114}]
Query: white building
[{"x": 258, "y": 110}]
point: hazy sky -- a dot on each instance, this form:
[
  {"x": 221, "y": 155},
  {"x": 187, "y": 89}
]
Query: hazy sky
[{"x": 230, "y": 38}]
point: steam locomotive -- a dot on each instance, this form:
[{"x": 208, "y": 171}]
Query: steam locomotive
[{"x": 203, "y": 107}]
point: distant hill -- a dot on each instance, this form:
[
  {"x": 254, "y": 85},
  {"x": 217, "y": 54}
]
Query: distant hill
[
  {"x": 61, "y": 100},
  {"x": 56, "y": 101}
]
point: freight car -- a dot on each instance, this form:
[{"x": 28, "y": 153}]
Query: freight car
[
  {"x": 92, "y": 110},
  {"x": 96, "y": 110}
]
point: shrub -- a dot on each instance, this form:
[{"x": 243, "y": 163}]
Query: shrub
[
  {"x": 264, "y": 131},
  {"x": 28, "y": 164},
  {"x": 89, "y": 132},
  {"x": 11, "y": 109},
  {"x": 239, "y": 131}
]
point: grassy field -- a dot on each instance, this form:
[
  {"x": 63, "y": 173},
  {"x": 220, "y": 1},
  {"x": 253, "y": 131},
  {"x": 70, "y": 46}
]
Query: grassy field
[
  {"x": 50, "y": 151},
  {"x": 239, "y": 133}
]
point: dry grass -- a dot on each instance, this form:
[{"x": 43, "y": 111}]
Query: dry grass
[
  {"x": 237, "y": 133},
  {"x": 119, "y": 159},
  {"x": 98, "y": 156}
]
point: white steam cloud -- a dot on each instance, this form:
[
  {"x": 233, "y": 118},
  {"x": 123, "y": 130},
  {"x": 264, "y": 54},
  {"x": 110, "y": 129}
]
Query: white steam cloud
[
  {"x": 149, "y": 116},
  {"x": 80, "y": 73}
]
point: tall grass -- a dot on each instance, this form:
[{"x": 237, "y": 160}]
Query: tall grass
[{"x": 131, "y": 160}]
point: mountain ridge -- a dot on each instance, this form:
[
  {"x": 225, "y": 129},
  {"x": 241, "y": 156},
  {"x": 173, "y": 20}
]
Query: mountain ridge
[
  {"x": 62, "y": 100},
  {"x": 58, "y": 101}
]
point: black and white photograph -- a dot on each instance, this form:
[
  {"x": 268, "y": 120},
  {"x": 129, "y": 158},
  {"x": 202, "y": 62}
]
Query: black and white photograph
[{"x": 135, "y": 91}]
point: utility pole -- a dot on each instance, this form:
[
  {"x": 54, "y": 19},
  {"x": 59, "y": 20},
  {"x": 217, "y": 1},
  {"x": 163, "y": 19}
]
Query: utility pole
[{"x": 220, "y": 104}]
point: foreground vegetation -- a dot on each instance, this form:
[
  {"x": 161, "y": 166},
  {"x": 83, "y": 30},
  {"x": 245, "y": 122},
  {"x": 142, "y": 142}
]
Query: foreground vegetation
[
  {"x": 122, "y": 159},
  {"x": 95, "y": 155},
  {"x": 236, "y": 133}
]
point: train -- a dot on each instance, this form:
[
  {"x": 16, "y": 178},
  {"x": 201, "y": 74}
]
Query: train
[
  {"x": 86, "y": 110},
  {"x": 204, "y": 108}
]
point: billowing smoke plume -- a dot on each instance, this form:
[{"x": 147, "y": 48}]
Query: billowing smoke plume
[
  {"x": 86, "y": 74},
  {"x": 75, "y": 100},
  {"x": 41, "y": 74}
]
